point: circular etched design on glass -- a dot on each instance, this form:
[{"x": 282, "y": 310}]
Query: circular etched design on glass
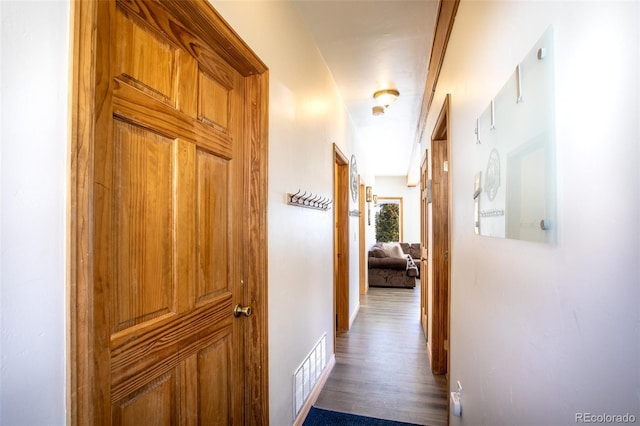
[
  {"x": 492, "y": 176},
  {"x": 354, "y": 179}
]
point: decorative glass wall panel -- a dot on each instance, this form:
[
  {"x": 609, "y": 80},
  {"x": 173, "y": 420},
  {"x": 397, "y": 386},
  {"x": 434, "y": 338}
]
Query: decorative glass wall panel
[{"x": 514, "y": 188}]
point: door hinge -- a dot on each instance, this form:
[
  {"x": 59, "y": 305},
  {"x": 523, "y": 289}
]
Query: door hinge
[
  {"x": 445, "y": 166},
  {"x": 446, "y": 255},
  {"x": 446, "y": 344}
]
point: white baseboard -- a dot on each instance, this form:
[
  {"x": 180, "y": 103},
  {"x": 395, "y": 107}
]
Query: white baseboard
[
  {"x": 355, "y": 314},
  {"x": 315, "y": 392}
]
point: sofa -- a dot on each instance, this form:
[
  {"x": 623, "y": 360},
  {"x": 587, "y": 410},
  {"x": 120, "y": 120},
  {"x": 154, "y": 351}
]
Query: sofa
[{"x": 393, "y": 265}]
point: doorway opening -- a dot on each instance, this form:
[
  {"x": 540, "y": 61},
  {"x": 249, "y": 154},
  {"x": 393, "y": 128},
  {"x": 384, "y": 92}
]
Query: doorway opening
[{"x": 438, "y": 344}]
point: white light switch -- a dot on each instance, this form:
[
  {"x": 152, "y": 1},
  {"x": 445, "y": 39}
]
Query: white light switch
[{"x": 455, "y": 404}]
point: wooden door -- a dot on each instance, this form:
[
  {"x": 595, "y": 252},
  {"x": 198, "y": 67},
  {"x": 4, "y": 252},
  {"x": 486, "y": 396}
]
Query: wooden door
[
  {"x": 169, "y": 216},
  {"x": 441, "y": 256},
  {"x": 424, "y": 241},
  {"x": 341, "y": 240}
]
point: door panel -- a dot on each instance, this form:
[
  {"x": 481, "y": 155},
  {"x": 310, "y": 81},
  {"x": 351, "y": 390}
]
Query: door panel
[
  {"x": 169, "y": 178},
  {"x": 142, "y": 286},
  {"x": 213, "y": 101},
  {"x": 213, "y": 401},
  {"x": 212, "y": 225},
  {"x": 145, "y": 60},
  {"x": 153, "y": 404}
]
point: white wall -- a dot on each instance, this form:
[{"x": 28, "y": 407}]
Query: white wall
[
  {"x": 35, "y": 53},
  {"x": 541, "y": 332},
  {"x": 538, "y": 332},
  {"x": 306, "y": 118},
  {"x": 396, "y": 186}
]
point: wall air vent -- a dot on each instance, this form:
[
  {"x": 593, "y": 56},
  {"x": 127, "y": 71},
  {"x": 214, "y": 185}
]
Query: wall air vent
[{"x": 307, "y": 374}]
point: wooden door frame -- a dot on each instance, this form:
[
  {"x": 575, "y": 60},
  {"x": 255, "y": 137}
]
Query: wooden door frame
[
  {"x": 441, "y": 294},
  {"x": 341, "y": 240},
  {"x": 88, "y": 91}
]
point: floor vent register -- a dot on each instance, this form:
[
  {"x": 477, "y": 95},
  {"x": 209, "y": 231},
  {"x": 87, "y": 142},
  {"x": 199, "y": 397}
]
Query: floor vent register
[{"x": 308, "y": 373}]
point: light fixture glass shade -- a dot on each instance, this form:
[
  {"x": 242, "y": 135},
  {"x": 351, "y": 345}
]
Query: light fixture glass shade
[
  {"x": 377, "y": 110},
  {"x": 386, "y": 97}
]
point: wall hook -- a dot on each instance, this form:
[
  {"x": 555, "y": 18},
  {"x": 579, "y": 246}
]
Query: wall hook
[{"x": 310, "y": 200}]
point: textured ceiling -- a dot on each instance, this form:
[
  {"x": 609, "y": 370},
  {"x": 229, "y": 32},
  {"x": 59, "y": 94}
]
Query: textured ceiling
[{"x": 370, "y": 45}]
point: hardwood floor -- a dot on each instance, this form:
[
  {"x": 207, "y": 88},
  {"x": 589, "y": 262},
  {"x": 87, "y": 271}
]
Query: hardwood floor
[{"x": 382, "y": 369}]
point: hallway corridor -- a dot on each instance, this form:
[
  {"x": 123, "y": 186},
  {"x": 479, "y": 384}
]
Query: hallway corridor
[{"x": 382, "y": 369}]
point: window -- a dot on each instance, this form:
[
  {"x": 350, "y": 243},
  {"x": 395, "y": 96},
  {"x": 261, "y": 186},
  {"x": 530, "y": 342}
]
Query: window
[{"x": 388, "y": 214}]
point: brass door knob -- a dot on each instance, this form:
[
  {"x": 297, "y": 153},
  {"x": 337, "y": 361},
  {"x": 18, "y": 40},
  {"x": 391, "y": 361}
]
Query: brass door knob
[{"x": 241, "y": 310}]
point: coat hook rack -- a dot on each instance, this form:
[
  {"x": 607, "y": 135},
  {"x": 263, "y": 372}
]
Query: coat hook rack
[{"x": 310, "y": 201}]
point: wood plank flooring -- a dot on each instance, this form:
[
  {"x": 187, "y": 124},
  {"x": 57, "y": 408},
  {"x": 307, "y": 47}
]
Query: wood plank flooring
[{"x": 382, "y": 369}]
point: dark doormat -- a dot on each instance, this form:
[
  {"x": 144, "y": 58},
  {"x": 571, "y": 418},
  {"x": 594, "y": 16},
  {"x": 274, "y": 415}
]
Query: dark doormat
[{"x": 320, "y": 417}]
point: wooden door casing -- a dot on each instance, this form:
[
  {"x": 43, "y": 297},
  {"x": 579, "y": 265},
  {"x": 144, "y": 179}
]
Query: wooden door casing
[{"x": 165, "y": 125}]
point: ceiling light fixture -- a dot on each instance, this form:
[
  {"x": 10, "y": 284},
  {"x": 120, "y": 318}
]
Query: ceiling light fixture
[
  {"x": 386, "y": 97},
  {"x": 377, "y": 110}
]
